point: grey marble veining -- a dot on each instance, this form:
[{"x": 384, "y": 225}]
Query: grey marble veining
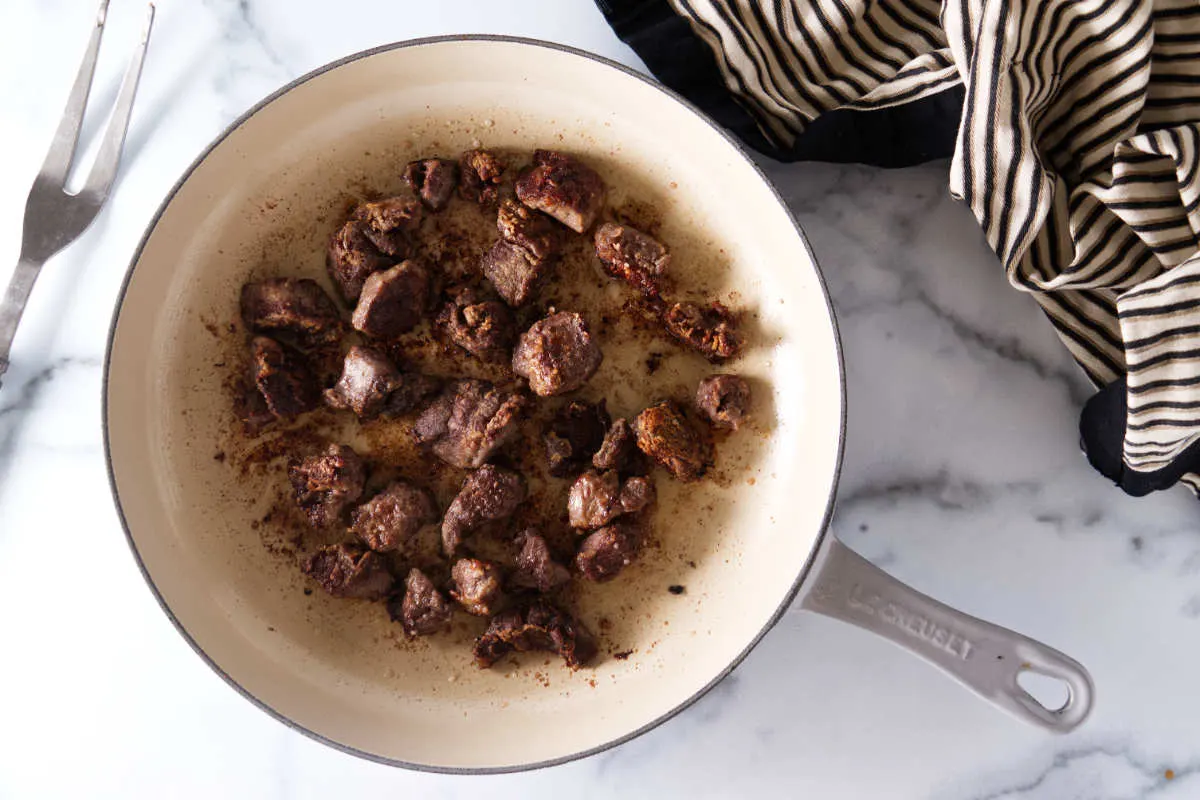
[{"x": 963, "y": 476}]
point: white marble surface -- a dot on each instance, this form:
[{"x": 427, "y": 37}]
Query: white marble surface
[{"x": 962, "y": 476}]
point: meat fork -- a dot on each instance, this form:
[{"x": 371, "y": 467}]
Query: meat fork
[{"x": 55, "y": 217}]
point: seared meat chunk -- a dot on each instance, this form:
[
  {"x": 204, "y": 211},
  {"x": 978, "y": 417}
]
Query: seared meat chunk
[
  {"x": 536, "y": 568},
  {"x": 325, "y": 484},
  {"x": 469, "y": 421},
  {"x": 528, "y": 246},
  {"x": 618, "y": 450},
  {"x": 710, "y": 330},
  {"x": 596, "y": 499},
  {"x": 391, "y": 224},
  {"x": 538, "y": 626},
  {"x": 637, "y": 493},
  {"x": 424, "y": 609},
  {"x": 664, "y": 434},
  {"x": 607, "y": 551},
  {"x": 284, "y": 381},
  {"x": 349, "y": 570},
  {"x": 563, "y": 187},
  {"x": 484, "y": 328},
  {"x": 296, "y": 306},
  {"x": 576, "y": 432},
  {"x": 724, "y": 399},
  {"x": 481, "y": 173},
  {"x": 530, "y": 230},
  {"x": 414, "y": 389},
  {"x": 392, "y": 301},
  {"x": 370, "y": 384},
  {"x": 389, "y": 519},
  {"x": 488, "y": 494},
  {"x": 635, "y": 257},
  {"x": 251, "y": 407},
  {"x": 351, "y": 258},
  {"x": 368, "y": 379},
  {"x": 433, "y": 425},
  {"x": 513, "y": 272},
  {"x": 557, "y": 354},
  {"x": 375, "y": 236},
  {"x": 433, "y": 179},
  {"x": 477, "y": 586}
]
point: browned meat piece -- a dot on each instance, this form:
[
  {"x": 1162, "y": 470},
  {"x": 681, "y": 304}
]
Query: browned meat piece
[
  {"x": 370, "y": 384},
  {"x": 664, "y": 434},
  {"x": 635, "y": 257},
  {"x": 424, "y": 610},
  {"x": 532, "y": 231},
  {"x": 528, "y": 247},
  {"x": 563, "y": 187},
  {"x": 596, "y": 499},
  {"x": 389, "y": 519},
  {"x": 392, "y": 301},
  {"x": 710, "y": 330},
  {"x": 484, "y": 328},
  {"x": 351, "y": 258},
  {"x": 477, "y": 586},
  {"x": 636, "y": 493},
  {"x": 539, "y": 626},
  {"x": 250, "y": 406},
  {"x": 469, "y": 421},
  {"x": 434, "y": 180},
  {"x": 481, "y": 173},
  {"x": 325, "y": 484},
  {"x": 576, "y": 432},
  {"x": 296, "y": 306},
  {"x": 368, "y": 379},
  {"x": 724, "y": 399},
  {"x": 536, "y": 568},
  {"x": 391, "y": 224},
  {"x": 376, "y": 235},
  {"x": 414, "y": 389},
  {"x": 606, "y": 552},
  {"x": 557, "y": 354},
  {"x": 618, "y": 450},
  {"x": 283, "y": 380},
  {"x": 513, "y": 272},
  {"x": 488, "y": 494},
  {"x": 349, "y": 570}
]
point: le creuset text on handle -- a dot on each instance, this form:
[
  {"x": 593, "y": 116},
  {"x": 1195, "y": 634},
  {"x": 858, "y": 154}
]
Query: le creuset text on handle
[{"x": 982, "y": 656}]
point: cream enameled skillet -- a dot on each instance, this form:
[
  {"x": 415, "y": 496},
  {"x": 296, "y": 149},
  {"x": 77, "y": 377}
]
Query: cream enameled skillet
[{"x": 263, "y": 199}]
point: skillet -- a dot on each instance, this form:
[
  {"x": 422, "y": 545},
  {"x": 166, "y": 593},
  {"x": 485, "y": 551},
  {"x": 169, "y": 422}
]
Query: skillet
[{"x": 263, "y": 199}]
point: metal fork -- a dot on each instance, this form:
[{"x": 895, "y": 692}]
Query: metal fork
[{"x": 55, "y": 217}]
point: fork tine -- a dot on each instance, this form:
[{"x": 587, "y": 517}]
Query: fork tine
[
  {"x": 104, "y": 171},
  {"x": 62, "y": 147}
]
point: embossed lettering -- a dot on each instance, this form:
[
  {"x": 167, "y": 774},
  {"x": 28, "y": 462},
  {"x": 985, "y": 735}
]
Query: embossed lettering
[
  {"x": 858, "y": 601},
  {"x": 942, "y": 637},
  {"x": 909, "y": 621}
]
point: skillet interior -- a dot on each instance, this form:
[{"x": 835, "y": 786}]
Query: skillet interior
[{"x": 263, "y": 201}]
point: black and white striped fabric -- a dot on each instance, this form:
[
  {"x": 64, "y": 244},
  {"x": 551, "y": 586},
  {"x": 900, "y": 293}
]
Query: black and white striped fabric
[{"x": 1073, "y": 128}]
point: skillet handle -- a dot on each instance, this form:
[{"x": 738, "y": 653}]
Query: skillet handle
[{"x": 982, "y": 656}]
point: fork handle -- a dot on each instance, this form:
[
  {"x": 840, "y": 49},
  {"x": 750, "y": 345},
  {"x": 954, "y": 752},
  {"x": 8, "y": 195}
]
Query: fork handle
[{"x": 13, "y": 306}]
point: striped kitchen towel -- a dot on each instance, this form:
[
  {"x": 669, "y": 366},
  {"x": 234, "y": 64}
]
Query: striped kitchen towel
[{"x": 1073, "y": 129}]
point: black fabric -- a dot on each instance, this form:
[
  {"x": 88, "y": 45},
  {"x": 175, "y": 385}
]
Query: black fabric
[
  {"x": 900, "y": 136},
  {"x": 1102, "y": 435},
  {"x": 679, "y": 59}
]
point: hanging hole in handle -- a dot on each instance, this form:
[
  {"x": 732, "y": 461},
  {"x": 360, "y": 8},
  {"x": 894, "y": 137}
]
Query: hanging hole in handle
[{"x": 1051, "y": 693}]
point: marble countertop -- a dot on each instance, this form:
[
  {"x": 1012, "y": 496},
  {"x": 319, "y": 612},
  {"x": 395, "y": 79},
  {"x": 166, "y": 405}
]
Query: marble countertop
[{"x": 963, "y": 477}]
